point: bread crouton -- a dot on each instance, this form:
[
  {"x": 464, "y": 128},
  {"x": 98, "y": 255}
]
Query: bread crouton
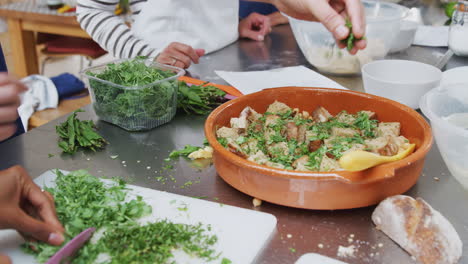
[
  {"x": 252, "y": 115},
  {"x": 388, "y": 128},
  {"x": 385, "y": 145},
  {"x": 343, "y": 132},
  {"x": 239, "y": 122},
  {"x": 370, "y": 114},
  {"x": 269, "y": 121},
  {"x": 236, "y": 149},
  {"x": 301, "y": 163},
  {"x": 329, "y": 164},
  {"x": 251, "y": 146},
  {"x": 259, "y": 157},
  {"x": 355, "y": 147},
  {"x": 228, "y": 132},
  {"x": 321, "y": 114},
  {"x": 375, "y": 144},
  {"x": 277, "y": 149},
  {"x": 278, "y": 108},
  {"x": 346, "y": 118},
  {"x": 292, "y": 131},
  {"x": 402, "y": 143},
  {"x": 301, "y": 133}
]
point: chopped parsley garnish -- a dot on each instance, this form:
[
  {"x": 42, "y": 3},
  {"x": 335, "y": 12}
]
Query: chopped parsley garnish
[{"x": 295, "y": 140}]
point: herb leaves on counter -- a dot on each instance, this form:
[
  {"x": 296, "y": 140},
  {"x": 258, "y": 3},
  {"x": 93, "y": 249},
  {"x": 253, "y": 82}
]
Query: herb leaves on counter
[
  {"x": 187, "y": 150},
  {"x": 75, "y": 134}
]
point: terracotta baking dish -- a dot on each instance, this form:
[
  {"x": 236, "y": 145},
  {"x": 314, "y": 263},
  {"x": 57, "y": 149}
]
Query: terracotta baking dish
[{"x": 321, "y": 190}]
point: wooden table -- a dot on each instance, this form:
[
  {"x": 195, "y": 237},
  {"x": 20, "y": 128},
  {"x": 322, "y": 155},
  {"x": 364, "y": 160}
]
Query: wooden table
[{"x": 27, "y": 17}]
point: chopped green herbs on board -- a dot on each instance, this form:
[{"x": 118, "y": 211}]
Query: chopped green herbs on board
[
  {"x": 75, "y": 134},
  {"x": 83, "y": 201}
]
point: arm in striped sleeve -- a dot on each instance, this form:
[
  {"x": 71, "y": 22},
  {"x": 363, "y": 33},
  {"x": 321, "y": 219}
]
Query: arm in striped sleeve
[{"x": 97, "y": 18}]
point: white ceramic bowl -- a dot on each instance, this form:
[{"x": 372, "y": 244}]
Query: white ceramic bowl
[
  {"x": 405, "y": 37},
  {"x": 400, "y": 80},
  {"x": 455, "y": 75},
  {"x": 447, "y": 109},
  {"x": 320, "y": 49}
]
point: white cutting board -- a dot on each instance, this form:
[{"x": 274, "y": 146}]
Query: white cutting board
[
  {"x": 241, "y": 233},
  {"x": 312, "y": 258}
]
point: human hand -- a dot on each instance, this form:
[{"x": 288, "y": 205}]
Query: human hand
[
  {"x": 10, "y": 89},
  {"x": 27, "y": 209},
  {"x": 255, "y": 26},
  {"x": 180, "y": 55},
  {"x": 331, "y": 13}
]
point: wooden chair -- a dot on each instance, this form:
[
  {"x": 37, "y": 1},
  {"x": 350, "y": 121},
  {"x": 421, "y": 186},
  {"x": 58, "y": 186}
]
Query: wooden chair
[{"x": 63, "y": 46}]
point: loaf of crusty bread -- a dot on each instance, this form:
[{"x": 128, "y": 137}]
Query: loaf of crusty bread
[{"x": 419, "y": 229}]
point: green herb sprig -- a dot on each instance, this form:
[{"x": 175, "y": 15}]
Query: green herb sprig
[
  {"x": 199, "y": 99},
  {"x": 351, "y": 39},
  {"x": 75, "y": 134}
]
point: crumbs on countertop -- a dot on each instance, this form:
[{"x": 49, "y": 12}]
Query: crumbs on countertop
[{"x": 345, "y": 252}]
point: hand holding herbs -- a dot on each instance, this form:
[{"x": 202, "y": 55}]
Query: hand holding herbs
[
  {"x": 75, "y": 134},
  {"x": 351, "y": 39},
  {"x": 20, "y": 198}
]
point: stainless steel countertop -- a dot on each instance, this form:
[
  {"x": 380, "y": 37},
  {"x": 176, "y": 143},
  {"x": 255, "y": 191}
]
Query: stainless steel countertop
[{"x": 308, "y": 228}]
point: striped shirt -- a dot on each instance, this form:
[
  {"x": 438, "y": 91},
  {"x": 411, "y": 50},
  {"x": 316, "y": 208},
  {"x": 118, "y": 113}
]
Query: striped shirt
[{"x": 110, "y": 31}]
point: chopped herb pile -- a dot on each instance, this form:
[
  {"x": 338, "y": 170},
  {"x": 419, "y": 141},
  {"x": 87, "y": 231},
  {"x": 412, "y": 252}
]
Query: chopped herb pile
[
  {"x": 351, "y": 39},
  {"x": 199, "y": 99},
  {"x": 293, "y": 139},
  {"x": 75, "y": 134},
  {"x": 151, "y": 243},
  {"x": 83, "y": 201}
]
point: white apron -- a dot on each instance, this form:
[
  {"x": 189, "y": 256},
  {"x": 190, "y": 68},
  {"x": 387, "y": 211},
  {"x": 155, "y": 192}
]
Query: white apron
[{"x": 202, "y": 24}]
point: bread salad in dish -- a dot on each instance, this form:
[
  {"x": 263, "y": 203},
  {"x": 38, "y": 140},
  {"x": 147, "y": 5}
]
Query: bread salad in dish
[{"x": 292, "y": 139}]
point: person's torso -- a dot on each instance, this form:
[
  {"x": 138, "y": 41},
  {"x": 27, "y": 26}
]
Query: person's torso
[{"x": 204, "y": 24}]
